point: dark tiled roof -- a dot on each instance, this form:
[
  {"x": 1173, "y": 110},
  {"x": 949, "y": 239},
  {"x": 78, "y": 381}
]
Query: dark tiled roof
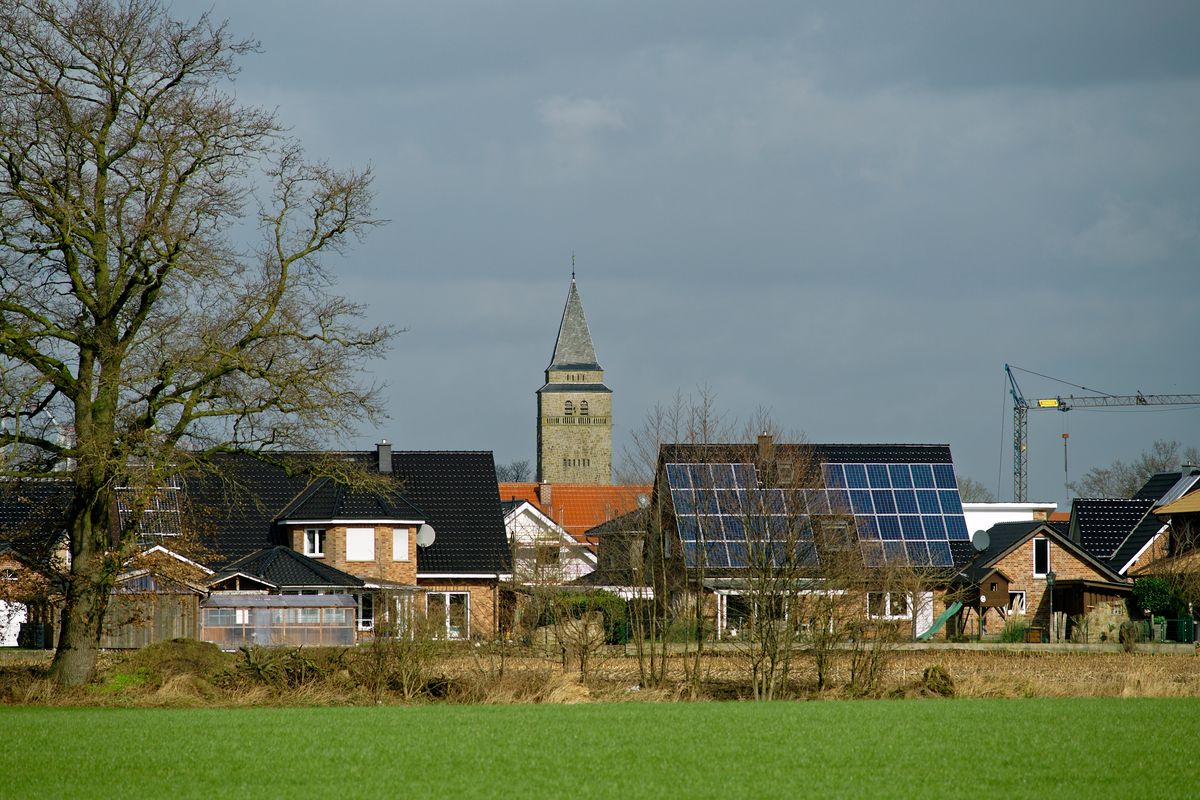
[
  {"x": 1101, "y": 526},
  {"x": 239, "y": 501},
  {"x": 1157, "y": 485},
  {"x": 825, "y": 453},
  {"x": 284, "y": 567},
  {"x": 32, "y": 514},
  {"x": 458, "y": 494},
  {"x": 327, "y": 499},
  {"x": 1138, "y": 538},
  {"x": 234, "y": 503}
]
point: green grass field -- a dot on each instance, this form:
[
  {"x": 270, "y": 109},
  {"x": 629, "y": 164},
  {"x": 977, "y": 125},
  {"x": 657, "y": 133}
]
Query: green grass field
[{"x": 1093, "y": 748}]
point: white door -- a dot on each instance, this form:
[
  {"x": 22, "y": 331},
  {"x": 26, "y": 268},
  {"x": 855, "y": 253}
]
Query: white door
[{"x": 924, "y": 611}]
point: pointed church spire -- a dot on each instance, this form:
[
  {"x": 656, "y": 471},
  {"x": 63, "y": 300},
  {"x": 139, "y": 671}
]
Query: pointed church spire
[{"x": 573, "y": 349}]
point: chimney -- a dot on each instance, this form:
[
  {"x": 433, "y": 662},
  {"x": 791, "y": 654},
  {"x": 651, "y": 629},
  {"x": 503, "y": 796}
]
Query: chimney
[
  {"x": 766, "y": 447},
  {"x": 543, "y": 495},
  {"x": 384, "y": 451}
]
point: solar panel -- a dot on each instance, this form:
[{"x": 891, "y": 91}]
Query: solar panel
[
  {"x": 902, "y": 512},
  {"x": 725, "y": 518}
]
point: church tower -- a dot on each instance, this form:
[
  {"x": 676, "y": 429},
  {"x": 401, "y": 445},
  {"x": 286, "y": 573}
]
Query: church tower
[{"x": 574, "y": 436}]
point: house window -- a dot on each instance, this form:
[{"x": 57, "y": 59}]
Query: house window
[
  {"x": 219, "y": 617},
  {"x": 314, "y": 542},
  {"x": 242, "y": 616},
  {"x": 364, "y": 611},
  {"x": 568, "y": 409},
  {"x": 449, "y": 614},
  {"x": 1041, "y": 557},
  {"x": 583, "y": 408},
  {"x": 360, "y": 544},
  {"x": 400, "y": 544},
  {"x": 1016, "y": 602},
  {"x": 887, "y": 605}
]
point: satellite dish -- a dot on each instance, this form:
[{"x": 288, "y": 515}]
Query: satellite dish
[
  {"x": 980, "y": 540},
  {"x": 426, "y": 535}
]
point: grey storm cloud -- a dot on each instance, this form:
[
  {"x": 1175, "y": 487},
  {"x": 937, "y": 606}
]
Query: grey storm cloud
[{"x": 850, "y": 213}]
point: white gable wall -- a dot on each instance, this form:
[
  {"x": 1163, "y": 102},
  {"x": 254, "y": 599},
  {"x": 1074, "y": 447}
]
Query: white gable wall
[{"x": 542, "y": 551}]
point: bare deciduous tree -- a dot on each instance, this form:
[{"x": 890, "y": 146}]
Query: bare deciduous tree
[
  {"x": 514, "y": 471},
  {"x": 1122, "y": 480},
  {"x": 973, "y": 491},
  {"x": 134, "y": 336}
]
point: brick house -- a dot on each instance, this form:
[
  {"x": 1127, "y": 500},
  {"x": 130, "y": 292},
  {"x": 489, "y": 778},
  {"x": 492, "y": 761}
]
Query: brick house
[
  {"x": 896, "y": 505},
  {"x": 426, "y": 536},
  {"x": 410, "y": 532},
  {"x": 1034, "y": 570}
]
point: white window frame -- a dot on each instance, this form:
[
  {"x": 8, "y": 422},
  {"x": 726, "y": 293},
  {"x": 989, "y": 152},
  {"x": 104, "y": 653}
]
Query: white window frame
[
  {"x": 314, "y": 542},
  {"x": 1049, "y": 567},
  {"x": 888, "y": 611},
  {"x": 445, "y": 623},
  {"x": 399, "y": 544},
  {"x": 241, "y": 616},
  {"x": 363, "y": 602},
  {"x": 356, "y": 544}
]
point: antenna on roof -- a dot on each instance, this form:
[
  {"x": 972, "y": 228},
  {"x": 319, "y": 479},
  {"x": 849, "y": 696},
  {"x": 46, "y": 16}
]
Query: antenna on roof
[{"x": 572, "y": 265}]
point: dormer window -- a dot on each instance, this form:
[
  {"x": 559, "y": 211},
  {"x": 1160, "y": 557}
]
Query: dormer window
[
  {"x": 569, "y": 409},
  {"x": 583, "y": 408},
  {"x": 314, "y": 542}
]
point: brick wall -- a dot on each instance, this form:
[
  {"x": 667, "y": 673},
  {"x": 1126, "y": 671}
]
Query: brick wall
[
  {"x": 1018, "y": 566},
  {"x": 384, "y": 567},
  {"x": 483, "y": 602}
]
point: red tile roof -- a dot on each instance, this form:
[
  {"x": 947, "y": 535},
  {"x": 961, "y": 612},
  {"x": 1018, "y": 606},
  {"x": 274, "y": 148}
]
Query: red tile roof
[{"x": 577, "y": 507}]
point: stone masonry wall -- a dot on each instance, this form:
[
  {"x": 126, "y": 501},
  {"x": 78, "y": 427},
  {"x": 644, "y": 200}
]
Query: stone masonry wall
[{"x": 575, "y": 448}]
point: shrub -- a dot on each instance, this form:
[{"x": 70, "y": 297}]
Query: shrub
[
  {"x": 1154, "y": 593},
  {"x": 577, "y": 605},
  {"x": 1014, "y": 631},
  {"x": 1130, "y": 634},
  {"x": 161, "y": 660}
]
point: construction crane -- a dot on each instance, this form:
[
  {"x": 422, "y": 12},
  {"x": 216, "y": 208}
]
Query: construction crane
[{"x": 1022, "y": 407}]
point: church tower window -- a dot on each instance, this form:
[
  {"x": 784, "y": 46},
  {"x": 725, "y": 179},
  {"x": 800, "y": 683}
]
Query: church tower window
[
  {"x": 583, "y": 409},
  {"x": 568, "y": 409}
]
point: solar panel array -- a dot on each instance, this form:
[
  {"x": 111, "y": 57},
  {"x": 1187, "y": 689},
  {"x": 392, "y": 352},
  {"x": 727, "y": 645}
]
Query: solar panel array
[
  {"x": 903, "y": 513},
  {"x": 721, "y": 513}
]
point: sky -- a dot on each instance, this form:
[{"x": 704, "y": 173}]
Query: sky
[{"x": 850, "y": 214}]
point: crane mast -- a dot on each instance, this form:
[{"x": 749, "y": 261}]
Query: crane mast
[{"x": 1022, "y": 407}]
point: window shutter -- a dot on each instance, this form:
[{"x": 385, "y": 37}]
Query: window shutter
[{"x": 360, "y": 544}]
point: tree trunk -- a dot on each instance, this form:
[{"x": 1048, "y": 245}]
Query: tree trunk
[{"x": 91, "y": 578}]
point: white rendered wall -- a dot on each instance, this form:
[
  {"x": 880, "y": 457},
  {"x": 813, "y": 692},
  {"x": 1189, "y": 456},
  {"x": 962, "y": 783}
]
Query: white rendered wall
[{"x": 981, "y": 516}]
